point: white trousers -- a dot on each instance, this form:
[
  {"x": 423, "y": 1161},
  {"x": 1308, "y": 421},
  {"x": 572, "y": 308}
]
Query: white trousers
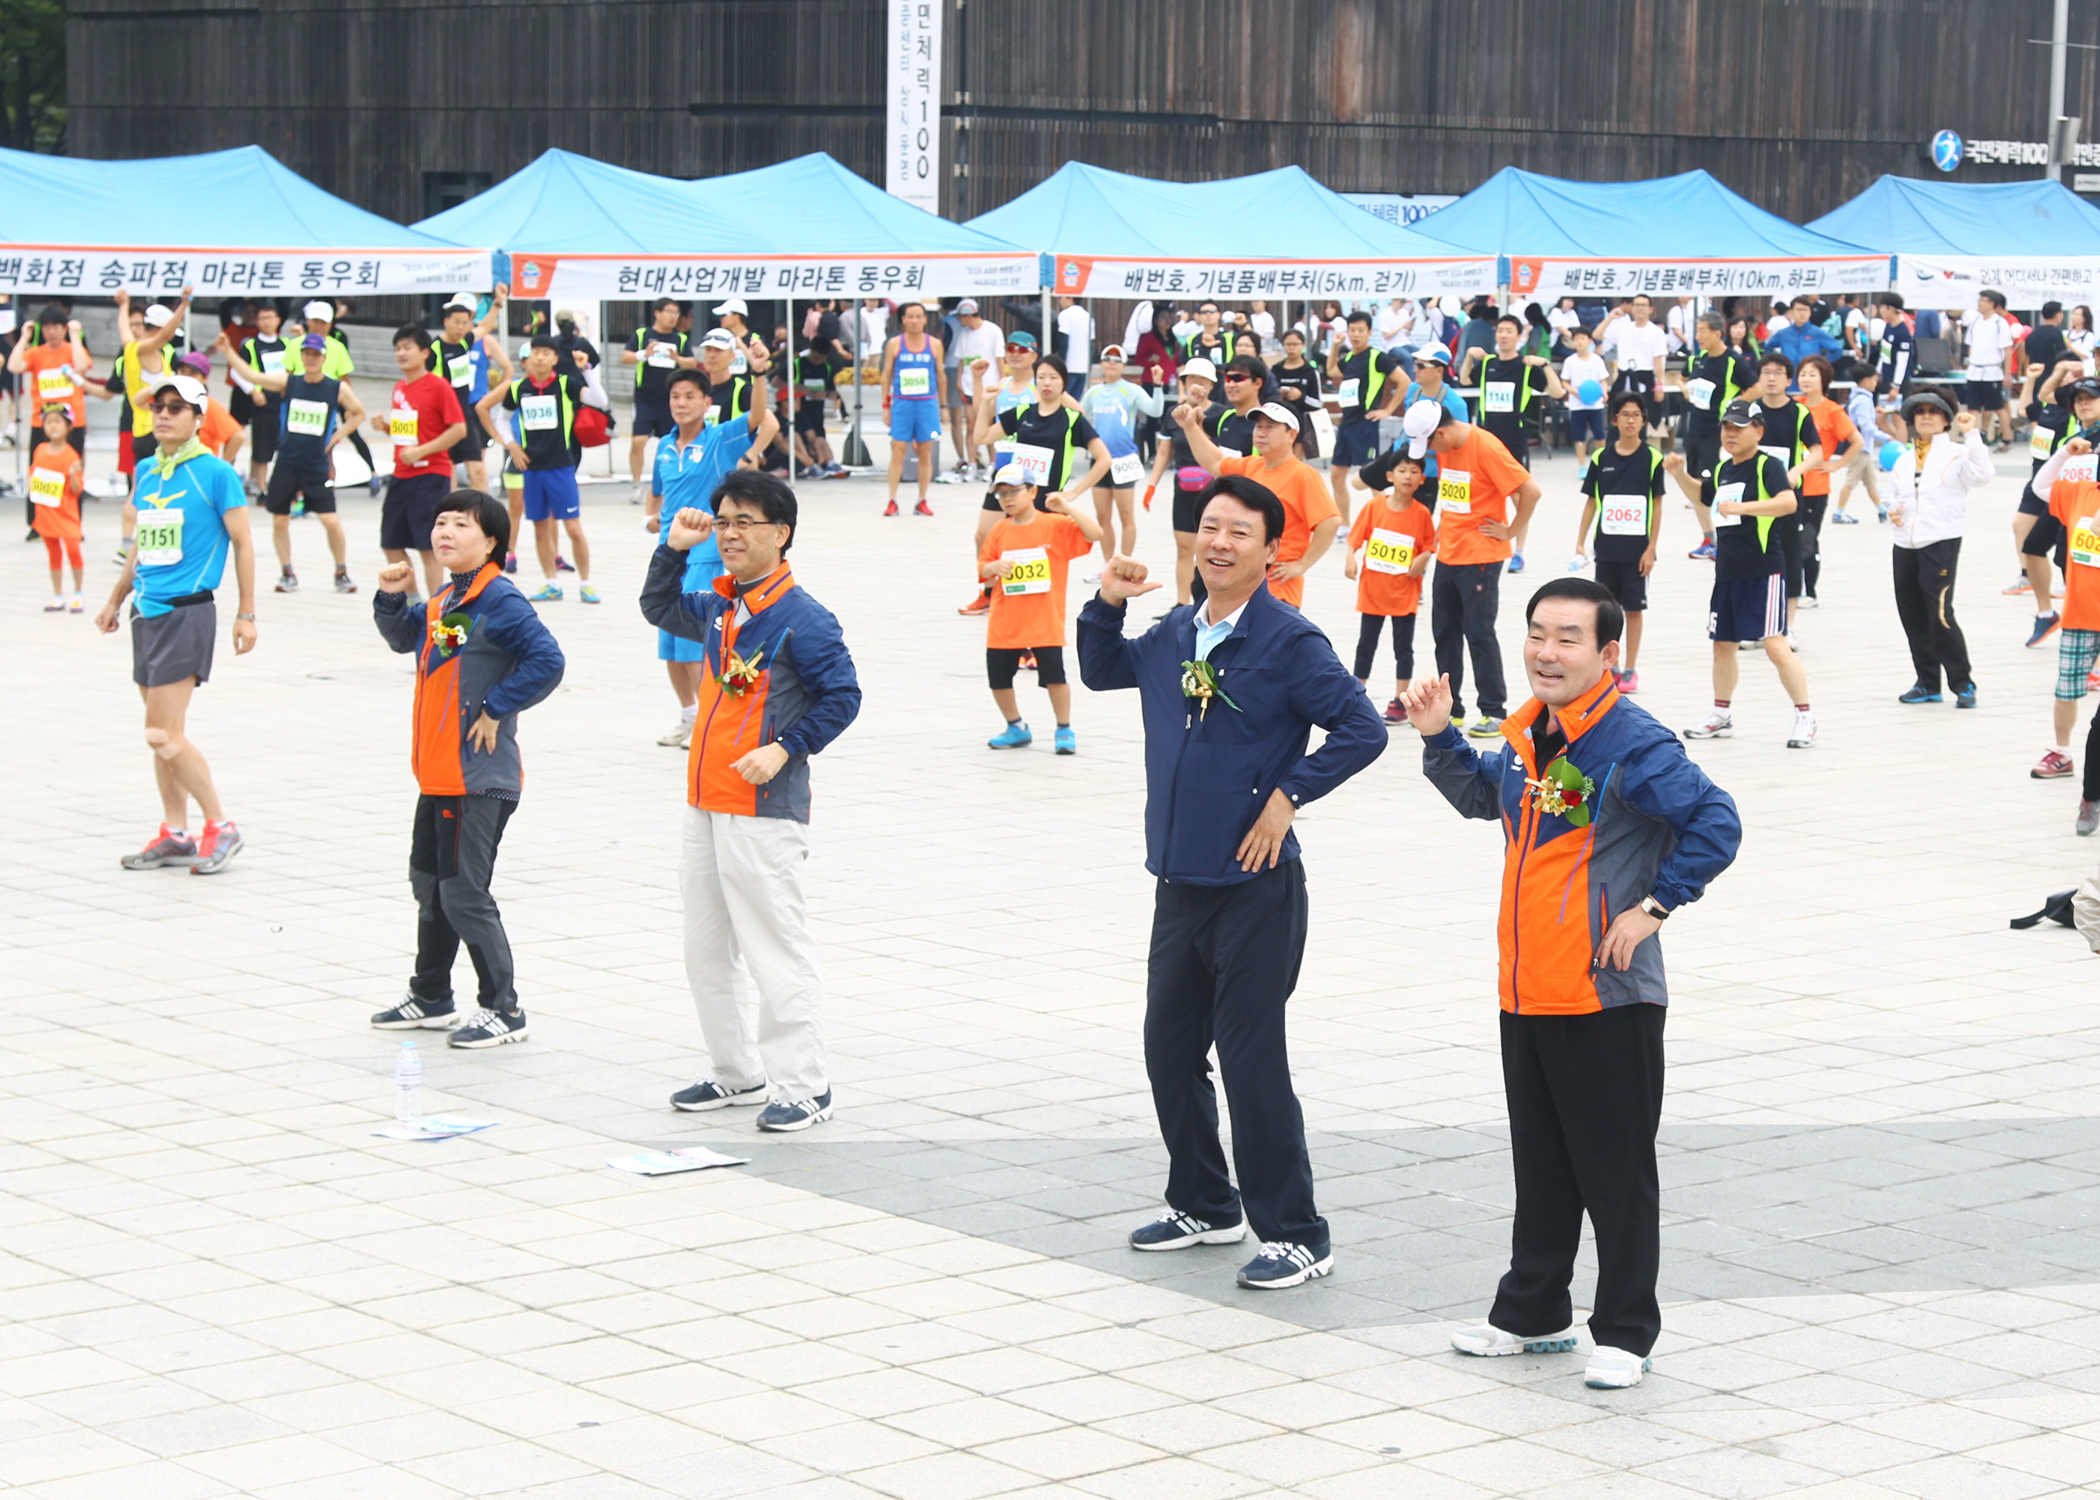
[{"x": 742, "y": 883}]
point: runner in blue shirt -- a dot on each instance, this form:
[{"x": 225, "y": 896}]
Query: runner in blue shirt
[
  {"x": 1114, "y": 405},
  {"x": 690, "y": 463},
  {"x": 192, "y": 512}
]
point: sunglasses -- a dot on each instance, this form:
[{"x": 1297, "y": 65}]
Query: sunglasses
[
  {"x": 172, "y": 407},
  {"x": 1019, "y": 349},
  {"x": 1237, "y": 379}
]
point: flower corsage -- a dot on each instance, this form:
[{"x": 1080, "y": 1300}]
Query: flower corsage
[
  {"x": 1199, "y": 680},
  {"x": 450, "y": 633},
  {"x": 739, "y": 676},
  {"x": 1563, "y": 792}
]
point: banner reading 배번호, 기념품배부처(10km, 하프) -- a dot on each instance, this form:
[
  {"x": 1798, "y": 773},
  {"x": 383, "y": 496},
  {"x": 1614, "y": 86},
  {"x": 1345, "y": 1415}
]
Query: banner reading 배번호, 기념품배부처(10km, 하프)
[
  {"x": 614, "y": 278},
  {"x": 1571, "y": 276},
  {"x": 62, "y": 270}
]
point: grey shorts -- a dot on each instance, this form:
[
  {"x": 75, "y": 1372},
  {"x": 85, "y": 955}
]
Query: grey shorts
[{"x": 168, "y": 648}]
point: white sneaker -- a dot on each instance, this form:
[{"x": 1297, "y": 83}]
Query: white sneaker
[
  {"x": 1490, "y": 1342},
  {"x": 1090, "y": 579},
  {"x": 1717, "y": 725},
  {"x": 1804, "y": 734},
  {"x": 1577, "y": 563},
  {"x": 634, "y": 495},
  {"x": 679, "y": 737},
  {"x": 1612, "y": 1369}
]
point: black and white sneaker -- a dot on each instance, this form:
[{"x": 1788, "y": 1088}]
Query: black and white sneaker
[
  {"x": 1283, "y": 1264},
  {"x": 707, "y": 1094},
  {"x": 414, "y": 1013},
  {"x": 490, "y": 1028},
  {"x": 1178, "y": 1231},
  {"x": 795, "y": 1114}
]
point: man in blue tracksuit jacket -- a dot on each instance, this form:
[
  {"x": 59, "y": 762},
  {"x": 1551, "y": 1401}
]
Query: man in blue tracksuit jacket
[{"x": 1231, "y": 689}]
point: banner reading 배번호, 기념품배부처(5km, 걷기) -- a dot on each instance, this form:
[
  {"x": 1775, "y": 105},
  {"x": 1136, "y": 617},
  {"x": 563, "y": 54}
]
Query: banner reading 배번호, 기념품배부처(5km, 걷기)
[
  {"x": 1133, "y": 276},
  {"x": 60, "y": 270},
  {"x": 1572, "y": 276},
  {"x": 613, "y": 278}
]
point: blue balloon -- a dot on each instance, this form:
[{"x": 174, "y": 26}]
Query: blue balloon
[
  {"x": 1890, "y": 452},
  {"x": 1589, "y": 393}
]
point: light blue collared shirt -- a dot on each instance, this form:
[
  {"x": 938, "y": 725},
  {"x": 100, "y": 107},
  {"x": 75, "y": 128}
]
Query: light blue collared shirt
[{"x": 1208, "y": 635}]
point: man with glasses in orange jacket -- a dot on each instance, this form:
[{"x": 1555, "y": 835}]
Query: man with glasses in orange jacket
[{"x": 1611, "y": 827}]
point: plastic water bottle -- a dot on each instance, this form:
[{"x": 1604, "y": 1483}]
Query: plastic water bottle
[{"x": 408, "y": 1084}]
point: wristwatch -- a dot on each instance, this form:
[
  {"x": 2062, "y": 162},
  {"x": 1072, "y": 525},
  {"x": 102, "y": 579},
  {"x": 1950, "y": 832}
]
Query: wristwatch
[
  {"x": 1655, "y": 909},
  {"x": 249, "y": 618}
]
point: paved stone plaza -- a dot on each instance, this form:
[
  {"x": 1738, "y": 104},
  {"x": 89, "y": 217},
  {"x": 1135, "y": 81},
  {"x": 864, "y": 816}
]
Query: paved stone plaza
[{"x": 1881, "y": 1249}]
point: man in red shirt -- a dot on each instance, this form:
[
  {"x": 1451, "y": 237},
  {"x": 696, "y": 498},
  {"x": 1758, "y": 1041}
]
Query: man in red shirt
[
  {"x": 1477, "y": 479},
  {"x": 423, "y": 421}
]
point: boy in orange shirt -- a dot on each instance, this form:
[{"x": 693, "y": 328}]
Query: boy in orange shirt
[
  {"x": 1390, "y": 544},
  {"x": 54, "y": 493},
  {"x": 2067, "y": 480},
  {"x": 1027, "y": 558}
]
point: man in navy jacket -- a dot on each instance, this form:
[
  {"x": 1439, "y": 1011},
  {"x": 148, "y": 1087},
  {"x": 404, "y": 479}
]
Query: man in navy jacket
[{"x": 1231, "y": 689}]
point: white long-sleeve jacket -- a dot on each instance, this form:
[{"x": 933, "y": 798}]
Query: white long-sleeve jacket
[{"x": 1933, "y": 506}]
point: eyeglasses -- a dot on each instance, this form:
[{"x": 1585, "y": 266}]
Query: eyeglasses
[
  {"x": 172, "y": 407},
  {"x": 743, "y": 523}
]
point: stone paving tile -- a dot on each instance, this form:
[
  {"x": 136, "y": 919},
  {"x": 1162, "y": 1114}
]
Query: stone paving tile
[{"x": 1882, "y": 1163}]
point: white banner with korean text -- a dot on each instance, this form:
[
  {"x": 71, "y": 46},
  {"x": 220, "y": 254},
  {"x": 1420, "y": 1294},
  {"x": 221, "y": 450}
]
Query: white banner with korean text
[
  {"x": 2026, "y": 280},
  {"x": 912, "y": 117},
  {"x": 1556, "y": 276},
  {"x": 79, "y": 270},
  {"x": 1139, "y": 277},
  {"x": 619, "y": 278}
]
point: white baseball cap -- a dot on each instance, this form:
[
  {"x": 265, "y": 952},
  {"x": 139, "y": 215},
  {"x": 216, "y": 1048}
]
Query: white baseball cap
[
  {"x": 1012, "y": 475},
  {"x": 1422, "y": 419},
  {"x": 187, "y": 387},
  {"x": 966, "y": 308},
  {"x": 1435, "y": 354},
  {"x": 735, "y": 305},
  {"x": 158, "y": 314},
  {"x": 1276, "y": 411},
  {"x": 718, "y": 338},
  {"x": 319, "y": 309},
  {"x": 1201, "y": 368},
  {"x": 464, "y": 302}
]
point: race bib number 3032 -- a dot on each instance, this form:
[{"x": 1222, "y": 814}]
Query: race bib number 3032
[{"x": 1029, "y": 573}]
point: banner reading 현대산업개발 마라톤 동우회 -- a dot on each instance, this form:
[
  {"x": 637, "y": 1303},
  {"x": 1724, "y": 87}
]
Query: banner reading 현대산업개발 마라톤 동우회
[
  {"x": 613, "y": 278},
  {"x": 73, "y": 270}
]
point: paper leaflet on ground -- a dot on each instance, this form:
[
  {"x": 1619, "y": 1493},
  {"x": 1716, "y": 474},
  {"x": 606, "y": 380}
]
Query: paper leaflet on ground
[
  {"x": 434, "y": 1128},
  {"x": 683, "y": 1159}
]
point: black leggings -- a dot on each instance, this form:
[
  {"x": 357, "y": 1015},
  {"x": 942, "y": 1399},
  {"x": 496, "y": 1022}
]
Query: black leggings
[
  {"x": 1367, "y": 632},
  {"x": 2091, "y": 788},
  {"x": 1813, "y": 509},
  {"x": 357, "y": 441}
]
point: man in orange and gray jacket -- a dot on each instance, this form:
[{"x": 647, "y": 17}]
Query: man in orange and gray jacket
[{"x": 1610, "y": 827}]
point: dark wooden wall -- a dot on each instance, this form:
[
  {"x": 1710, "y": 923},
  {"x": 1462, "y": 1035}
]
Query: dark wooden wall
[{"x": 1798, "y": 104}]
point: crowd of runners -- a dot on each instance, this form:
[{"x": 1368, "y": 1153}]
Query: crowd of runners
[{"x": 1748, "y": 421}]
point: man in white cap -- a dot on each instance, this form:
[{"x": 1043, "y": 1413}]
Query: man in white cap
[
  {"x": 192, "y": 512},
  {"x": 319, "y": 317},
  {"x": 750, "y": 348},
  {"x": 462, "y": 356},
  {"x": 977, "y": 348},
  {"x": 1309, "y": 517},
  {"x": 141, "y": 360},
  {"x": 1477, "y": 479}
]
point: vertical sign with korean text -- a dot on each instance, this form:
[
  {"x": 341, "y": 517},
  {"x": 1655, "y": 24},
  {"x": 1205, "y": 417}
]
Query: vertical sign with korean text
[{"x": 912, "y": 135}]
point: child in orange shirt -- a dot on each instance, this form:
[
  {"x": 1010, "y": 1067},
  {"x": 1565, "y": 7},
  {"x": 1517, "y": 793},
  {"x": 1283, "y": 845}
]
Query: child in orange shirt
[
  {"x": 1027, "y": 558},
  {"x": 54, "y": 489},
  {"x": 1390, "y": 545}
]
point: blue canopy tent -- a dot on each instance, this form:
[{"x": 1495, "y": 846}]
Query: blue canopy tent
[
  {"x": 229, "y": 223},
  {"x": 2033, "y": 241},
  {"x": 579, "y": 229},
  {"x": 1682, "y": 236},
  {"x": 1277, "y": 234}
]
